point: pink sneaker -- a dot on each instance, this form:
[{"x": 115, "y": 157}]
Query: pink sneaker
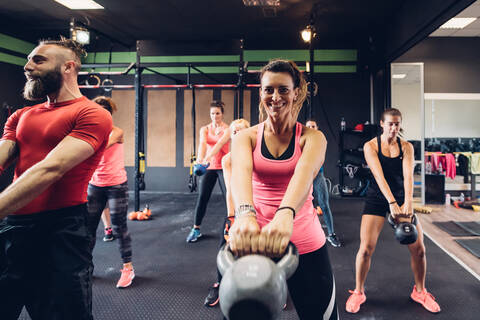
[
  {"x": 354, "y": 301},
  {"x": 126, "y": 278},
  {"x": 426, "y": 299}
]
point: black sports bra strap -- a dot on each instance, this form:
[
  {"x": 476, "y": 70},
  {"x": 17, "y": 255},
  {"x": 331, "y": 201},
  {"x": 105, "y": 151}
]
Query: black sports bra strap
[
  {"x": 379, "y": 145},
  {"x": 400, "y": 147}
]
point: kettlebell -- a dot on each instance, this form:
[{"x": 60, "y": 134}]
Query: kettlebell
[
  {"x": 200, "y": 169},
  {"x": 405, "y": 232},
  {"x": 253, "y": 286}
]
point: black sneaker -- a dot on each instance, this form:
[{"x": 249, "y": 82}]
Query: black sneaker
[
  {"x": 334, "y": 241},
  {"x": 212, "y": 299},
  {"x": 108, "y": 235}
]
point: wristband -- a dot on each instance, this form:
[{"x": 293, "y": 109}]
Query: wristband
[
  {"x": 290, "y": 208},
  {"x": 393, "y": 202}
]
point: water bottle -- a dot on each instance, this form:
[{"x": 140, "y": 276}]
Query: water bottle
[
  {"x": 448, "y": 199},
  {"x": 462, "y": 197},
  {"x": 343, "y": 124}
]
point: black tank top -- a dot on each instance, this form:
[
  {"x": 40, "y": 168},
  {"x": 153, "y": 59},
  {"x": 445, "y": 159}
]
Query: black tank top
[
  {"x": 392, "y": 171},
  {"x": 285, "y": 155}
]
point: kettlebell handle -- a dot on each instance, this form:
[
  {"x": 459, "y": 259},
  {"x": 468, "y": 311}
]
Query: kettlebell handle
[
  {"x": 288, "y": 263},
  {"x": 392, "y": 221}
]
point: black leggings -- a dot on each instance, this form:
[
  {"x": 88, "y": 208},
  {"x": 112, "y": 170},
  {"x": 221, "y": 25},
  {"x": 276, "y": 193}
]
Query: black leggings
[
  {"x": 45, "y": 265},
  {"x": 207, "y": 183},
  {"x": 117, "y": 198},
  {"x": 312, "y": 287}
]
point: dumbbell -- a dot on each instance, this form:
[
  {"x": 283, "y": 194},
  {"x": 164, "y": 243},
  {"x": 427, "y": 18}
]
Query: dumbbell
[
  {"x": 253, "y": 286},
  {"x": 405, "y": 232}
]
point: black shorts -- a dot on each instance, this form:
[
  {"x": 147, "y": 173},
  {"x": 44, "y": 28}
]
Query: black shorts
[{"x": 378, "y": 206}]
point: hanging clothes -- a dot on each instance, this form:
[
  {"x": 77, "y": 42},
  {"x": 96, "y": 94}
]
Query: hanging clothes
[{"x": 475, "y": 163}]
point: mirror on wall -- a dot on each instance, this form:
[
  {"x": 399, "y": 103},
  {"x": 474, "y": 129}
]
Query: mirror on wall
[{"x": 407, "y": 95}]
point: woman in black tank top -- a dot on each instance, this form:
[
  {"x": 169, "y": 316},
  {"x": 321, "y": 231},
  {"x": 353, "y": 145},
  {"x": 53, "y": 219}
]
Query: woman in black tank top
[{"x": 391, "y": 161}]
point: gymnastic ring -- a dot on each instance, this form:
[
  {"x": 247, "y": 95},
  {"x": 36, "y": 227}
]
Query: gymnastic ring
[
  {"x": 315, "y": 88},
  {"x": 107, "y": 85},
  {"x": 90, "y": 77}
]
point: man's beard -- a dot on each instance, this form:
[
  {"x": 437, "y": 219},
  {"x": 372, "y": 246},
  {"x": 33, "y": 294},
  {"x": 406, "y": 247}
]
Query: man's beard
[{"x": 42, "y": 85}]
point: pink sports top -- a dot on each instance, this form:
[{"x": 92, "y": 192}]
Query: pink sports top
[
  {"x": 270, "y": 180},
  {"x": 212, "y": 139},
  {"x": 111, "y": 169}
]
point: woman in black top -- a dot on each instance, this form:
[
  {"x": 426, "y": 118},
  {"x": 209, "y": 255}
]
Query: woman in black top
[{"x": 391, "y": 160}]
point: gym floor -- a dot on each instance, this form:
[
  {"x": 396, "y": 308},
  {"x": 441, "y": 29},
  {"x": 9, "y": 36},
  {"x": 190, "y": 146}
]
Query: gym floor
[{"x": 173, "y": 277}]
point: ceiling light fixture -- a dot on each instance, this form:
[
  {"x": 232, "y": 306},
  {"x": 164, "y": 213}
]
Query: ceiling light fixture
[
  {"x": 308, "y": 33},
  {"x": 399, "y": 76},
  {"x": 79, "y": 34},
  {"x": 457, "y": 23},
  {"x": 80, "y": 4}
]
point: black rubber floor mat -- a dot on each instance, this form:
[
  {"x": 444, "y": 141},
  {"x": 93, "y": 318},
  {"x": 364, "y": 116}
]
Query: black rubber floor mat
[
  {"x": 452, "y": 229},
  {"x": 472, "y": 245},
  {"x": 471, "y": 226}
]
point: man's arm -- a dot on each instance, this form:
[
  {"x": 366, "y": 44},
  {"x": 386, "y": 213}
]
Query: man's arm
[
  {"x": 66, "y": 155},
  {"x": 8, "y": 153}
]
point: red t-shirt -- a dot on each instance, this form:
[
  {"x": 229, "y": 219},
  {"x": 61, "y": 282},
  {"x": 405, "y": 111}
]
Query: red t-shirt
[{"x": 38, "y": 129}]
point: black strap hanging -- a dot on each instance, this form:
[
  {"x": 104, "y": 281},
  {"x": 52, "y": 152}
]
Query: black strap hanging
[{"x": 192, "y": 180}]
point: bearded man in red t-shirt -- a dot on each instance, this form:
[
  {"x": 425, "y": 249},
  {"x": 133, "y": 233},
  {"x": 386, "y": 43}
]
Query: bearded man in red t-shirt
[{"x": 45, "y": 260}]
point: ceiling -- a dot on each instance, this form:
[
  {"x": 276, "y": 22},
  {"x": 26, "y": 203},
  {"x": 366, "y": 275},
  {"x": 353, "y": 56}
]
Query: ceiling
[
  {"x": 337, "y": 21},
  {"x": 471, "y": 30}
]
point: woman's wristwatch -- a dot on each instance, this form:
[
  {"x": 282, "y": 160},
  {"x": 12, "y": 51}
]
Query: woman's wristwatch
[{"x": 245, "y": 210}]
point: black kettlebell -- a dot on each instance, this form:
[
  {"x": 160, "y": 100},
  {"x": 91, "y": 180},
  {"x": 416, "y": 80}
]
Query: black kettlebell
[
  {"x": 405, "y": 232},
  {"x": 253, "y": 286}
]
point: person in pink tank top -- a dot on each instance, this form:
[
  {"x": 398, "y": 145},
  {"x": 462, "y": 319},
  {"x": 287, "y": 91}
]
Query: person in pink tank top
[
  {"x": 209, "y": 136},
  {"x": 108, "y": 187},
  {"x": 273, "y": 166}
]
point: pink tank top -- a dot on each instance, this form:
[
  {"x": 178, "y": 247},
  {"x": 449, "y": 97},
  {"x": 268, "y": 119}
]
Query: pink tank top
[
  {"x": 270, "y": 180},
  {"x": 111, "y": 169},
  {"x": 212, "y": 139}
]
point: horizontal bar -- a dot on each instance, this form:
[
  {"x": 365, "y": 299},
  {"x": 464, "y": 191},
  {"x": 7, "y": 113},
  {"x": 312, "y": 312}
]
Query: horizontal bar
[
  {"x": 173, "y": 86},
  {"x": 113, "y": 86},
  {"x": 102, "y": 73}
]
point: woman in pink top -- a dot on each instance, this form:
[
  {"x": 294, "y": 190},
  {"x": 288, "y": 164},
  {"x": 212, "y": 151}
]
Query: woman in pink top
[
  {"x": 209, "y": 136},
  {"x": 109, "y": 186},
  {"x": 273, "y": 166}
]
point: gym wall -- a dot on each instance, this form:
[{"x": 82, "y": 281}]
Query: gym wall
[
  {"x": 343, "y": 92},
  {"x": 169, "y": 129},
  {"x": 450, "y": 64}
]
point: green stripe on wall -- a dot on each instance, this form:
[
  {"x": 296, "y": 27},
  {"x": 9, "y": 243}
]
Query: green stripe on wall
[
  {"x": 103, "y": 57},
  {"x": 187, "y": 59},
  {"x": 15, "y": 44},
  {"x": 8, "y": 58},
  {"x": 265, "y": 55},
  {"x": 249, "y": 55},
  {"x": 336, "y": 69},
  {"x": 335, "y": 55}
]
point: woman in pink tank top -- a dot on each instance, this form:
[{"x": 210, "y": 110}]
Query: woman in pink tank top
[
  {"x": 273, "y": 166},
  {"x": 108, "y": 186},
  {"x": 209, "y": 136}
]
